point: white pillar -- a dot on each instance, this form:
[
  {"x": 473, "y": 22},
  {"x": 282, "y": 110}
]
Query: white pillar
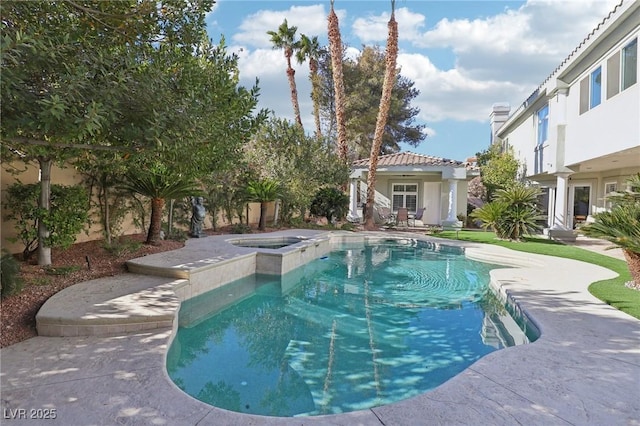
[
  {"x": 452, "y": 219},
  {"x": 353, "y": 201},
  {"x": 551, "y": 207},
  {"x": 560, "y": 209}
]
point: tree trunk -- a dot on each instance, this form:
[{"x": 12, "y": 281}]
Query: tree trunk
[
  {"x": 633, "y": 262},
  {"x": 291, "y": 75},
  {"x": 155, "y": 224},
  {"x": 335, "y": 48},
  {"x": 315, "y": 96},
  {"x": 263, "y": 216},
  {"x": 44, "y": 251},
  {"x": 391, "y": 56}
]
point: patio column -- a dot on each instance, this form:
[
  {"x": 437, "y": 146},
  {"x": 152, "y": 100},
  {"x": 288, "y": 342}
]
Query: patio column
[
  {"x": 452, "y": 219},
  {"x": 560, "y": 209},
  {"x": 560, "y": 229},
  {"x": 353, "y": 201}
]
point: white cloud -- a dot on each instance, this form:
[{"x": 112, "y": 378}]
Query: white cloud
[
  {"x": 311, "y": 20},
  {"x": 373, "y": 28},
  {"x": 496, "y": 58},
  {"x": 522, "y": 45}
]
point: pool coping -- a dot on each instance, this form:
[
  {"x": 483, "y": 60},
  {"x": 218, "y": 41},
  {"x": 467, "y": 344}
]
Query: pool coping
[{"x": 584, "y": 369}]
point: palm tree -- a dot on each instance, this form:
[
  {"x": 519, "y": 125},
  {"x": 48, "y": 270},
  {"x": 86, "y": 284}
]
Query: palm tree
[
  {"x": 335, "y": 49},
  {"x": 264, "y": 191},
  {"x": 391, "y": 56},
  {"x": 621, "y": 226},
  {"x": 310, "y": 48},
  {"x": 284, "y": 39},
  {"x": 159, "y": 184}
]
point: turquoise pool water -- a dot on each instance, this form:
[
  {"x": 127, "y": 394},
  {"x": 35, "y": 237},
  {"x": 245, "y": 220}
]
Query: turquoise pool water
[{"x": 366, "y": 325}]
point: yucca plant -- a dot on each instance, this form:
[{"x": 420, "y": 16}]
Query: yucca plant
[
  {"x": 621, "y": 226},
  {"x": 160, "y": 184},
  {"x": 490, "y": 215},
  {"x": 264, "y": 191},
  {"x": 512, "y": 214}
]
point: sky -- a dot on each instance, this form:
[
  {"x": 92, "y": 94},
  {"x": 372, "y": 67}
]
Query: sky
[{"x": 463, "y": 56}]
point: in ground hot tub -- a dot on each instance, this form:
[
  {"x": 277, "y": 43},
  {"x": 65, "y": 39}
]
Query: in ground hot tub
[{"x": 266, "y": 242}]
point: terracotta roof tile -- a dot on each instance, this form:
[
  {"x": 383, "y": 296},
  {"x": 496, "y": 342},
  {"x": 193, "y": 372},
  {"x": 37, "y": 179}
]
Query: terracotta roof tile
[{"x": 408, "y": 159}]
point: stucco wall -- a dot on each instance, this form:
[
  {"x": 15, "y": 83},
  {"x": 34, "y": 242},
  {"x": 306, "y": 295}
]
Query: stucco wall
[{"x": 68, "y": 176}]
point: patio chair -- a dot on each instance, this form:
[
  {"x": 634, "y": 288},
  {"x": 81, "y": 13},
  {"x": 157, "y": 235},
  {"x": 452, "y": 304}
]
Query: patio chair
[
  {"x": 418, "y": 215},
  {"x": 385, "y": 215},
  {"x": 402, "y": 216}
]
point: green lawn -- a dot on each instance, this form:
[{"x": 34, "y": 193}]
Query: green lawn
[{"x": 611, "y": 291}]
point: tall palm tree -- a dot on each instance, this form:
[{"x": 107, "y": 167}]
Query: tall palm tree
[
  {"x": 310, "y": 48},
  {"x": 335, "y": 49},
  {"x": 621, "y": 226},
  {"x": 391, "y": 56},
  {"x": 285, "y": 38},
  {"x": 159, "y": 184}
]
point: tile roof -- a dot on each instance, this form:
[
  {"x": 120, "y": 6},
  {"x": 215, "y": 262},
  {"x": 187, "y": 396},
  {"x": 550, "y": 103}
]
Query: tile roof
[{"x": 408, "y": 159}]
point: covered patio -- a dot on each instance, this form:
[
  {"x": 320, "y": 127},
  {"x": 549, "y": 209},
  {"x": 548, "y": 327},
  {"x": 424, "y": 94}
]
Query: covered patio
[{"x": 413, "y": 190}]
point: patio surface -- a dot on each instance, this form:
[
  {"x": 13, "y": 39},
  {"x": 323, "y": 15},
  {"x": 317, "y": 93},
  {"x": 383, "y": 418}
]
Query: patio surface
[{"x": 583, "y": 370}]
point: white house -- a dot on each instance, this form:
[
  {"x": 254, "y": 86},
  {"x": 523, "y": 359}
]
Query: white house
[
  {"x": 435, "y": 186},
  {"x": 578, "y": 135}
]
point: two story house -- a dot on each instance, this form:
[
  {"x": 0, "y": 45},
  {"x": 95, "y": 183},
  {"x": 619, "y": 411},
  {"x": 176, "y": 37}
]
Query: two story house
[{"x": 577, "y": 136}]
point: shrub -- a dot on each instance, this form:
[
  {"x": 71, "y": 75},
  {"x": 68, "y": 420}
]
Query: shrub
[
  {"x": 330, "y": 203},
  {"x": 512, "y": 214},
  {"x": 240, "y": 228},
  {"x": 10, "y": 281},
  {"x": 66, "y": 218}
]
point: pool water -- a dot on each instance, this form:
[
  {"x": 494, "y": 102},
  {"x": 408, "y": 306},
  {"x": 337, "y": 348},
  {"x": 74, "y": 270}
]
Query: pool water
[{"x": 366, "y": 325}]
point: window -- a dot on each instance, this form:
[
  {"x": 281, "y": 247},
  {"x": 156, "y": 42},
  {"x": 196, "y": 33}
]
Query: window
[
  {"x": 622, "y": 69},
  {"x": 630, "y": 64},
  {"x": 405, "y": 195},
  {"x": 610, "y": 187},
  {"x": 596, "y": 88},
  {"x": 543, "y": 124},
  {"x": 613, "y": 75},
  {"x": 591, "y": 90}
]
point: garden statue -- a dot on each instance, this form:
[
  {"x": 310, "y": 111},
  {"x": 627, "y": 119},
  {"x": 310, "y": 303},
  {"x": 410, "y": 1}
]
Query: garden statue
[{"x": 197, "y": 218}]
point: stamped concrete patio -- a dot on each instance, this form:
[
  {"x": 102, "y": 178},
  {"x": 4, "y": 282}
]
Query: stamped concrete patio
[{"x": 583, "y": 370}]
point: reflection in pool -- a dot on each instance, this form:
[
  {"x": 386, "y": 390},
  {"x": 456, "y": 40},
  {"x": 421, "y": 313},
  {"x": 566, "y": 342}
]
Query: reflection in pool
[{"x": 364, "y": 326}]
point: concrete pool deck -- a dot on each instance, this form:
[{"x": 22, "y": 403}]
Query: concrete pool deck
[{"x": 584, "y": 369}]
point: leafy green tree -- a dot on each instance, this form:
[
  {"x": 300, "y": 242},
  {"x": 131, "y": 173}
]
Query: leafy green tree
[
  {"x": 302, "y": 164},
  {"x": 263, "y": 191},
  {"x": 363, "y": 80},
  {"x": 70, "y": 71},
  {"x": 498, "y": 169},
  {"x": 512, "y": 214},
  {"x": 621, "y": 225}
]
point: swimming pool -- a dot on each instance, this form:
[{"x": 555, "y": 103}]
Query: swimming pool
[{"x": 366, "y": 325}]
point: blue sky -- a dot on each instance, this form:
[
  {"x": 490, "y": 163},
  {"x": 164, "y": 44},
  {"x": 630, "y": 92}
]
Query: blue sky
[{"x": 463, "y": 56}]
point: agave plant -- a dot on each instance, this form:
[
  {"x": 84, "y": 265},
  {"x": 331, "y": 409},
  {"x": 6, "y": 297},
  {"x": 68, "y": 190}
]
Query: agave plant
[
  {"x": 264, "y": 191},
  {"x": 621, "y": 226},
  {"x": 160, "y": 184}
]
